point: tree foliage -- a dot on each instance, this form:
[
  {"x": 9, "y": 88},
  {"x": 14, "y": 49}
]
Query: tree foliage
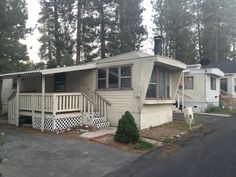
[
  {"x": 13, "y": 16},
  {"x": 89, "y": 28},
  {"x": 196, "y": 29},
  {"x": 57, "y": 28}
]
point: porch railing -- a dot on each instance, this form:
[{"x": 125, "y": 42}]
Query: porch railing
[
  {"x": 56, "y": 102},
  {"x": 101, "y": 105}
]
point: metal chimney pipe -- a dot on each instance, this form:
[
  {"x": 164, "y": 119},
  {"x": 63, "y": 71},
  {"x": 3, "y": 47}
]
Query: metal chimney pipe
[{"x": 158, "y": 45}]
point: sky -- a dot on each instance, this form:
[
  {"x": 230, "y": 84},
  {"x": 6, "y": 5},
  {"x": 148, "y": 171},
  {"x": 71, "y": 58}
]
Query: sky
[{"x": 33, "y": 14}]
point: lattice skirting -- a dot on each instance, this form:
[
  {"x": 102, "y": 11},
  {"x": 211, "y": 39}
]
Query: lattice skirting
[
  {"x": 95, "y": 114},
  {"x": 103, "y": 125},
  {"x": 97, "y": 120},
  {"x": 62, "y": 121},
  {"x": 68, "y": 122},
  {"x": 48, "y": 123}
]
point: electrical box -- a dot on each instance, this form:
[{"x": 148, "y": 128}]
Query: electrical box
[{"x": 188, "y": 115}]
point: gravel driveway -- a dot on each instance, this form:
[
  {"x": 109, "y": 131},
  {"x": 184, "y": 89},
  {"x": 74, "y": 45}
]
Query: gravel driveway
[{"x": 37, "y": 155}]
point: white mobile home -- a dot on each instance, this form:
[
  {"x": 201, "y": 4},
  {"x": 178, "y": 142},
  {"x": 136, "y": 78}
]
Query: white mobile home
[
  {"x": 201, "y": 87},
  {"x": 228, "y": 82},
  {"x": 98, "y": 93}
]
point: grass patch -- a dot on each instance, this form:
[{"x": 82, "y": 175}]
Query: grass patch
[
  {"x": 217, "y": 109},
  {"x": 142, "y": 146},
  {"x": 168, "y": 140}
]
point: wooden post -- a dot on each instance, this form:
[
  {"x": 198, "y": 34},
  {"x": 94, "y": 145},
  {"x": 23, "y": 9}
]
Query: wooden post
[
  {"x": 54, "y": 107},
  {"x": 18, "y": 101},
  {"x": 92, "y": 112},
  {"x": 42, "y": 103},
  {"x": 183, "y": 88},
  {"x": 105, "y": 110}
]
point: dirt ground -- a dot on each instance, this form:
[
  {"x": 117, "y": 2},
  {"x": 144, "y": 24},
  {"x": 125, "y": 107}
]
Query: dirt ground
[{"x": 168, "y": 130}]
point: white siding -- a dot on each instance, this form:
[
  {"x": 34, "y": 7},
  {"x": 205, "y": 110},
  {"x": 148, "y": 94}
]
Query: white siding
[
  {"x": 82, "y": 81},
  {"x": 121, "y": 101},
  {"x": 212, "y": 96},
  {"x": 6, "y": 92},
  {"x": 154, "y": 115}
]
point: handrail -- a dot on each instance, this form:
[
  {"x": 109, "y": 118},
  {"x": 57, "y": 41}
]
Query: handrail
[
  {"x": 184, "y": 94},
  {"x": 12, "y": 96},
  {"x": 227, "y": 93},
  {"x": 102, "y": 98},
  {"x": 88, "y": 98}
]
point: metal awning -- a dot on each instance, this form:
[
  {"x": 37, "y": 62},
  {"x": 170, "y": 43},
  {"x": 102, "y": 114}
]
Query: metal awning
[{"x": 86, "y": 66}]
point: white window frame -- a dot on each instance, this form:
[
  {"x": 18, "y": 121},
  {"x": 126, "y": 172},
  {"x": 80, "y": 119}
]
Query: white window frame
[
  {"x": 213, "y": 84},
  {"x": 190, "y": 88}
]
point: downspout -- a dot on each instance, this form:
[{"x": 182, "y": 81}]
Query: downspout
[
  {"x": 183, "y": 89},
  {"x": 18, "y": 101}
]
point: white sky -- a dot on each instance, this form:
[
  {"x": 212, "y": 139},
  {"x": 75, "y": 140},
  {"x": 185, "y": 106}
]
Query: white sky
[{"x": 32, "y": 40}]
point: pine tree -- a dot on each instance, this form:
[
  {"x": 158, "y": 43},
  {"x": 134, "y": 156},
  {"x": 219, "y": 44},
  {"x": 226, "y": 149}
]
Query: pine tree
[
  {"x": 57, "y": 28},
  {"x": 218, "y": 28},
  {"x": 174, "y": 21},
  {"x": 132, "y": 32},
  {"x": 13, "y": 16}
]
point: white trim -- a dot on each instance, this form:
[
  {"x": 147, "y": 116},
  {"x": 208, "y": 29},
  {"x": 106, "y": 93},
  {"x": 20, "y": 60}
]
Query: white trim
[
  {"x": 151, "y": 102},
  {"x": 52, "y": 71}
]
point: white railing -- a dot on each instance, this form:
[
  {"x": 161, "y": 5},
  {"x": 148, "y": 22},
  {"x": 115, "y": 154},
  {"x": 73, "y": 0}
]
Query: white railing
[
  {"x": 33, "y": 102},
  {"x": 101, "y": 105},
  {"x": 57, "y": 102}
]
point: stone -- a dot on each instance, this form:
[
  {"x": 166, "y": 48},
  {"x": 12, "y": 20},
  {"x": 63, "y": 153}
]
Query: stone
[{"x": 177, "y": 136}]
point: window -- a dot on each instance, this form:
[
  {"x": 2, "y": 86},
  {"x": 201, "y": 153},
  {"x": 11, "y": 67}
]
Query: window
[
  {"x": 114, "y": 78},
  {"x": 14, "y": 83},
  {"x": 125, "y": 77},
  {"x": 213, "y": 83},
  {"x": 224, "y": 84},
  {"x": 188, "y": 82},
  {"x": 152, "y": 88},
  {"x": 101, "y": 78},
  {"x": 159, "y": 85},
  {"x": 60, "y": 82},
  {"x": 234, "y": 84}
]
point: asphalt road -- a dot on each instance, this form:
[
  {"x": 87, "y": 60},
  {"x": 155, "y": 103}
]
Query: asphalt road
[
  {"x": 212, "y": 155},
  {"x": 38, "y": 155}
]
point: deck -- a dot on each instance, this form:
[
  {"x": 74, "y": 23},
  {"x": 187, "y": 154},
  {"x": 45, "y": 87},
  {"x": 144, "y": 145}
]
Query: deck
[{"x": 58, "y": 110}]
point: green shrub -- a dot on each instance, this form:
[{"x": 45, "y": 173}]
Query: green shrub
[
  {"x": 217, "y": 109},
  {"x": 127, "y": 131}
]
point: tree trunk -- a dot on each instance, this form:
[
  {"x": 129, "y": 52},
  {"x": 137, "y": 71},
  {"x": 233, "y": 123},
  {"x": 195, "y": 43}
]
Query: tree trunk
[
  {"x": 123, "y": 23},
  {"x": 199, "y": 30},
  {"x": 102, "y": 26},
  {"x": 217, "y": 41},
  {"x": 174, "y": 46},
  {"x": 234, "y": 49},
  {"x": 78, "y": 35},
  {"x": 56, "y": 33}
]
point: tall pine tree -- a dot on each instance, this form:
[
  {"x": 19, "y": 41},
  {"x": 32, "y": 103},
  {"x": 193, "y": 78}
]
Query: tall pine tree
[
  {"x": 57, "y": 28},
  {"x": 13, "y": 16}
]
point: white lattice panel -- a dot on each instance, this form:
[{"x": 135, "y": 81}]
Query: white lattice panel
[
  {"x": 97, "y": 120},
  {"x": 103, "y": 125},
  {"x": 68, "y": 122},
  {"x": 47, "y": 124}
]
